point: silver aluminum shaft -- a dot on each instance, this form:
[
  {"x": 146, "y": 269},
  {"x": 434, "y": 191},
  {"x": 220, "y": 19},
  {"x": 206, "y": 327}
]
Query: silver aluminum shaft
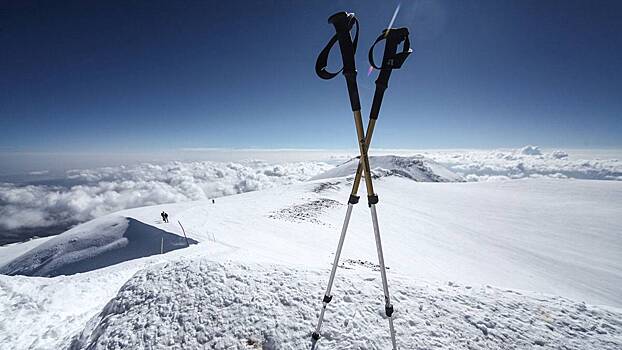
[{"x": 362, "y": 170}]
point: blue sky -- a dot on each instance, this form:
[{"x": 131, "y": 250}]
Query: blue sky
[{"x": 149, "y": 76}]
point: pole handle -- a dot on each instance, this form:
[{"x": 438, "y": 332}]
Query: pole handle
[
  {"x": 343, "y": 22},
  {"x": 391, "y": 58}
]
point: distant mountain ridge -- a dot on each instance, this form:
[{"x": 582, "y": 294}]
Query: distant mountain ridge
[{"x": 417, "y": 168}]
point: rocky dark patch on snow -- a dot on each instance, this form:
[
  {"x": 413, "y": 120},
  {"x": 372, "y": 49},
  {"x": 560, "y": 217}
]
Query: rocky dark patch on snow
[
  {"x": 349, "y": 264},
  {"x": 306, "y": 212},
  {"x": 202, "y": 304}
]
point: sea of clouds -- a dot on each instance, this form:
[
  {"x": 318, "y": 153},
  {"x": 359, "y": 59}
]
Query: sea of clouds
[
  {"x": 90, "y": 193},
  {"x": 530, "y": 161},
  {"x": 85, "y": 194}
]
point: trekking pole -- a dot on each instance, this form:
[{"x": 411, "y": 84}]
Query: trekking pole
[
  {"x": 343, "y": 22},
  {"x": 391, "y": 60}
]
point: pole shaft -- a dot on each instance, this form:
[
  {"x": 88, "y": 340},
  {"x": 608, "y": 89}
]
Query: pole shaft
[
  {"x": 333, "y": 271},
  {"x": 383, "y": 273},
  {"x": 385, "y": 285},
  {"x": 359, "y": 169},
  {"x": 358, "y": 121},
  {"x": 344, "y": 229}
]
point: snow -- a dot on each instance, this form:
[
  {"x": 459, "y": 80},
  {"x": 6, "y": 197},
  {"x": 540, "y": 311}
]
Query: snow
[
  {"x": 10, "y": 251},
  {"x": 96, "y": 244},
  {"x": 555, "y": 236},
  {"x": 202, "y": 304},
  {"x": 480, "y": 265},
  {"x": 44, "y": 313}
]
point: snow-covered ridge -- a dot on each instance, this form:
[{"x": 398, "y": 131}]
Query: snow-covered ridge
[
  {"x": 202, "y": 304},
  {"x": 99, "y": 243},
  {"x": 416, "y": 168}
]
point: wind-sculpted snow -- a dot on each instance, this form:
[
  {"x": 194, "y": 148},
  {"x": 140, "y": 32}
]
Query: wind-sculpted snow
[
  {"x": 87, "y": 194},
  {"x": 417, "y": 168},
  {"x": 99, "y": 243},
  {"x": 203, "y": 304}
]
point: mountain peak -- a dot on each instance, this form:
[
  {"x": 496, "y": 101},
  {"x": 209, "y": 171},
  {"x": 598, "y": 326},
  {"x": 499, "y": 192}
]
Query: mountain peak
[{"x": 417, "y": 168}]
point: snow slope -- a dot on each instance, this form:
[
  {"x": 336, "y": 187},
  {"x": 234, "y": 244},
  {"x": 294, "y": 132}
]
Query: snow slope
[
  {"x": 10, "y": 251},
  {"x": 94, "y": 245},
  {"x": 555, "y": 236},
  {"x": 549, "y": 237},
  {"x": 201, "y": 304}
]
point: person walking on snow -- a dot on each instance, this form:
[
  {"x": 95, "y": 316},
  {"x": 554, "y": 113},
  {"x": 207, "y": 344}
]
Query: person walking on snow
[{"x": 164, "y": 216}]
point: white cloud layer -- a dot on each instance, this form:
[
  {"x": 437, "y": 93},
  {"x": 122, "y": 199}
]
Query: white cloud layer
[
  {"x": 105, "y": 190},
  {"x": 529, "y": 161}
]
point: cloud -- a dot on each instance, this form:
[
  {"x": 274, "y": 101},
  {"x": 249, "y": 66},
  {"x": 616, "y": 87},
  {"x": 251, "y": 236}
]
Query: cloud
[
  {"x": 96, "y": 192},
  {"x": 531, "y": 151},
  {"x": 529, "y": 161},
  {"x": 559, "y": 154}
]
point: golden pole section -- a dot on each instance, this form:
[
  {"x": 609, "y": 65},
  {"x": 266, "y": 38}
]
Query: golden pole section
[
  {"x": 363, "y": 161},
  {"x": 359, "y": 169}
]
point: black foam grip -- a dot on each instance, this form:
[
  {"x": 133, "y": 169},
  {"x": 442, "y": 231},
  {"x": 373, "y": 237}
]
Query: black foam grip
[{"x": 343, "y": 22}]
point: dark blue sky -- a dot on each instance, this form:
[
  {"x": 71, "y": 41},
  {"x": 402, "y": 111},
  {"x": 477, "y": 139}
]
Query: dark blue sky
[{"x": 149, "y": 76}]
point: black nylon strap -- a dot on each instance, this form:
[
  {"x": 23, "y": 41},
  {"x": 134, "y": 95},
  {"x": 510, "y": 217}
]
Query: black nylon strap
[{"x": 322, "y": 59}]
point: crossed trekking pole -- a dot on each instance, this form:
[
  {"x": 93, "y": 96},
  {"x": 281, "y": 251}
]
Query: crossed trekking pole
[{"x": 344, "y": 22}]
